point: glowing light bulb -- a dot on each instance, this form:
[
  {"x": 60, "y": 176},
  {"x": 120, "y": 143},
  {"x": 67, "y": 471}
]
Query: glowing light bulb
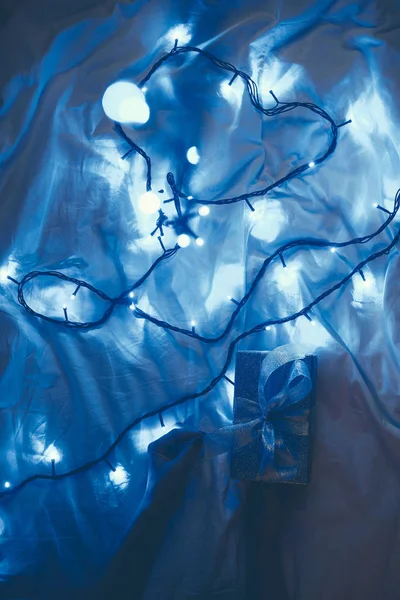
[
  {"x": 200, "y": 241},
  {"x": 204, "y": 211},
  {"x": 73, "y": 296},
  {"x": 124, "y": 102},
  {"x": 149, "y": 203},
  {"x": 144, "y": 89},
  {"x": 183, "y": 240},
  {"x": 119, "y": 477},
  {"x": 52, "y": 453},
  {"x": 312, "y": 323},
  {"x": 190, "y": 197},
  {"x": 193, "y": 155},
  {"x": 131, "y": 294},
  {"x": 333, "y": 249},
  {"x": 181, "y": 32},
  {"x": 368, "y": 281},
  {"x": 3, "y": 274},
  {"x": 64, "y": 306},
  {"x": 132, "y": 306},
  {"x": 7, "y": 484},
  {"x": 268, "y": 328},
  {"x": 311, "y": 164},
  {"x": 375, "y": 205},
  {"x": 229, "y": 297},
  {"x": 193, "y": 323}
]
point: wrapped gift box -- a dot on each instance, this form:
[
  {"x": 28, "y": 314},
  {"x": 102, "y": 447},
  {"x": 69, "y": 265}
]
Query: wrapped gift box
[{"x": 273, "y": 407}]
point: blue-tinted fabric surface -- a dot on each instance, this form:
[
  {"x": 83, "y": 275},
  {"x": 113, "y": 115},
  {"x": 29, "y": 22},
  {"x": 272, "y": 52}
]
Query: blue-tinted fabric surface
[{"x": 67, "y": 202}]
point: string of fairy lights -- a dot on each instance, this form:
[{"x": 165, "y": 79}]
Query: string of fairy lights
[{"x": 184, "y": 211}]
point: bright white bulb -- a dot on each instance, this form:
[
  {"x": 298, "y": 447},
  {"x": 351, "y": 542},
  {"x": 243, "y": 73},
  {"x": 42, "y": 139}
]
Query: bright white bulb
[
  {"x": 149, "y": 203},
  {"x": 193, "y": 155},
  {"x": 190, "y": 197},
  {"x": 52, "y": 453},
  {"x": 200, "y": 241},
  {"x": 124, "y": 102},
  {"x": 64, "y": 306},
  {"x": 229, "y": 297},
  {"x": 131, "y": 294},
  {"x": 375, "y": 205},
  {"x": 204, "y": 211},
  {"x": 3, "y": 274},
  {"x": 183, "y": 240},
  {"x": 268, "y": 328},
  {"x": 311, "y": 164},
  {"x": 132, "y": 306},
  {"x": 7, "y": 484},
  {"x": 368, "y": 281},
  {"x": 73, "y": 297},
  {"x": 193, "y": 323},
  {"x": 333, "y": 249},
  {"x": 181, "y": 32},
  {"x": 119, "y": 477},
  {"x": 144, "y": 89},
  {"x": 312, "y": 323}
]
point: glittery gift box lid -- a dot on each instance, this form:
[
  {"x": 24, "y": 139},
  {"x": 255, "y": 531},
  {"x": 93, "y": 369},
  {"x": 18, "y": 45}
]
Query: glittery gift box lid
[{"x": 248, "y": 457}]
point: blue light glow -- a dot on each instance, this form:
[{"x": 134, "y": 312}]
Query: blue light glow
[
  {"x": 152, "y": 432},
  {"x": 370, "y": 117},
  {"x": 8, "y": 270},
  {"x": 181, "y": 32},
  {"x": 204, "y": 211},
  {"x": 52, "y": 453},
  {"x": 273, "y": 74},
  {"x": 119, "y": 477},
  {"x": 149, "y": 203},
  {"x": 310, "y": 334},
  {"x": 366, "y": 290},
  {"x": 288, "y": 278},
  {"x": 124, "y": 102},
  {"x": 224, "y": 286},
  {"x": 193, "y": 155},
  {"x": 183, "y": 240},
  {"x": 233, "y": 93},
  {"x": 267, "y": 220}
]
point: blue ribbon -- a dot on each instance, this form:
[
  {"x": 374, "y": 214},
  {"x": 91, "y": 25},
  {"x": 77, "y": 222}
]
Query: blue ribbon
[{"x": 284, "y": 383}]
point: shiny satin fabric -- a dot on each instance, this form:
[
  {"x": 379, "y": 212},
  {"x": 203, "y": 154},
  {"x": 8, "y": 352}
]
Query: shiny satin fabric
[
  {"x": 68, "y": 202},
  {"x": 220, "y": 535}
]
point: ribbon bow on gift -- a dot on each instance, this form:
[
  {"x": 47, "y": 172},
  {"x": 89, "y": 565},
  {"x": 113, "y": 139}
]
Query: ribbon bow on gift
[
  {"x": 283, "y": 386},
  {"x": 264, "y": 424},
  {"x": 279, "y": 412}
]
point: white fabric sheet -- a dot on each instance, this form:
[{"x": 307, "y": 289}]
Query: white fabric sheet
[{"x": 69, "y": 203}]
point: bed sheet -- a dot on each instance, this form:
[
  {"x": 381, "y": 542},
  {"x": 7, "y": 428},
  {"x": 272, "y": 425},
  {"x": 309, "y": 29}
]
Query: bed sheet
[{"x": 69, "y": 203}]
